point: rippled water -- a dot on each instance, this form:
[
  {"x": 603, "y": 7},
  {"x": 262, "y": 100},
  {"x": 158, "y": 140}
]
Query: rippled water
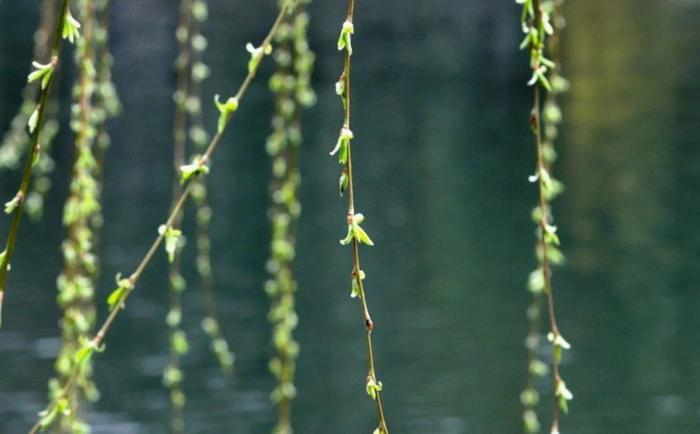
[{"x": 443, "y": 153}]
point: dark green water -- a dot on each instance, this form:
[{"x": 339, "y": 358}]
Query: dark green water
[{"x": 442, "y": 153}]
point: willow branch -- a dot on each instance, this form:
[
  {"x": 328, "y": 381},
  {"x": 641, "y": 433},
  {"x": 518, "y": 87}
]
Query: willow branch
[
  {"x": 96, "y": 343},
  {"x": 538, "y": 27},
  {"x": 172, "y": 374},
  {"x": 16, "y": 141},
  {"x": 19, "y": 199},
  {"x": 199, "y": 71},
  {"x": 77, "y": 280},
  {"x": 290, "y": 85},
  {"x": 356, "y": 234}
]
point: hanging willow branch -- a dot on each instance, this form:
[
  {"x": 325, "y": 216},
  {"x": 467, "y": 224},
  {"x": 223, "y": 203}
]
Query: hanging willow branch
[
  {"x": 16, "y": 140},
  {"x": 356, "y": 234},
  {"x": 189, "y": 174},
  {"x": 551, "y": 117},
  {"x": 173, "y": 375},
  {"x": 539, "y": 27},
  {"x": 291, "y": 86},
  {"x": 76, "y": 284},
  {"x": 199, "y": 72},
  {"x": 44, "y": 73},
  {"x": 107, "y": 104}
]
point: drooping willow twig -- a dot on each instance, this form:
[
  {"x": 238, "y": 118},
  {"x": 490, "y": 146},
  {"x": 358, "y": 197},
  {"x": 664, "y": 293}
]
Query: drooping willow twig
[
  {"x": 291, "y": 86},
  {"x": 189, "y": 174},
  {"x": 199, "y": 71},
  {"x": 356, "y": 234},
  {"x": 105, "y": 107},
  {"x": 107, "y": 104},
  {"x": 173, "y": 375},
  {"x": 76, "y": 284},
  {"x": 67, "y": 27},
  {"x": 551, "y": 117},
  {"x": 16, "y": 140},
  {"x": 538, "y": 27}
]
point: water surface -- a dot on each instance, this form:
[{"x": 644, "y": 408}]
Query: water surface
[{"x": 442, "y": 153}]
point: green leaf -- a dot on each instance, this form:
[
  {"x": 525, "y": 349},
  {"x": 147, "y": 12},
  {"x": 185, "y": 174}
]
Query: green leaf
[
  {"x": 340, "y": 86},
  {"x": 559, "y": 84},
  {"x": 538, "y": 368},
  {"x": 535, "y": 282},
  {"x": 225, "y": 111},
  {"x": 49, "y": 416},
  {"x": 531, "y": 422},
  {"x": 544, "y": 81},
  {"x": 529, "y": 397},
  {"x": 256, "y": 55},
  {"x": 355, "y": 231},
  {"x": 546, "y": 23},
  {"x": 355, "y": 291},
  {"x": 171, "y": 237},
  {"x": 525, "y": 42},
  {"x": 71, "y": 27},
  {"x": 348, "y": 238},
  {"x": 361, "y": 235},
  {"x": 343, "y": 183},
  {"x": 117, "y": 296},
  {"x": 83, "y": 354},
  {"x": 555, "y": 256},
  {"x": 341, "y": 146},
  {"x": 196, "y": 168},
  {"x": 42, "y": 72},
  {"x": 12, "y": 205},
  {"x": 373, "y": 387},
  {"x": 564, "y": 395},
  {"x": 558, "y": 341},
  {"x": 179, "y": 343},
  {"x": 33, "y": 120},
  {"x": 345, "y": 38},
  {"x": 550, "y": 234}
]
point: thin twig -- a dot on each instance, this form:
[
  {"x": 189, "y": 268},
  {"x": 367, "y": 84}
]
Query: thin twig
[
  {"x": 538, "y": 27},
  {"x": 374, "y": 386},
  {"x": 30, "y": 159},
  {"x": 16, "y": 141}
]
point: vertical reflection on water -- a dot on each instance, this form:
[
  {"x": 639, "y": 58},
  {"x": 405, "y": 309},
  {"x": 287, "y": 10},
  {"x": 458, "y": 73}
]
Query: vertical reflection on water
[{"x": 619, "y": 164}]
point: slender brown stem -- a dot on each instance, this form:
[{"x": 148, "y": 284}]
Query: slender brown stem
[
  {"x": 546, "y": 271},
  {"x": 29, "y": 164},
  {"x": 16, "y": 140},
  {"x": 543, "y": 223},
  {"x": 357, "y": 268},
  {"x": 99, "y": 338}
]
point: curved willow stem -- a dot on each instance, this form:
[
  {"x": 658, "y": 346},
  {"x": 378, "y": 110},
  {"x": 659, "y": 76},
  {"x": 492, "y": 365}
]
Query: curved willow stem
[
  {"x": 118, "y": 298},
  {"x": 539, "y": 29},
  {"x": 46, "y": 74},
  {"x": 356, "y": 234},
  {"x": 16, "y": 140}
]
